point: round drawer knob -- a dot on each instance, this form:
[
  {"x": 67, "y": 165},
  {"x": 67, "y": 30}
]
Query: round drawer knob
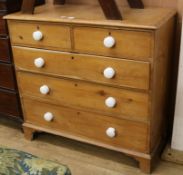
[
  {"x": 44, "y": 89},
  {"x": 39, "y": 62},
  {"x": 109, "y": 42},
  {"x": 109, "y": 73},
  {"x": 37, "y": 35},
  {"x": 110, "y": 102},
  {"x": 111, "y": 132},
  {"x": 48, "y": 116}
]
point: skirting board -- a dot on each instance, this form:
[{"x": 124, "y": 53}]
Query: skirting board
[{"x": 172, "y": 155}]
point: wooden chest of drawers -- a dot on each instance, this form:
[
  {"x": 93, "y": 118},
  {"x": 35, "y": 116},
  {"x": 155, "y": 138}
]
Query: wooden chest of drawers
[{"x": 97, "y": 81}]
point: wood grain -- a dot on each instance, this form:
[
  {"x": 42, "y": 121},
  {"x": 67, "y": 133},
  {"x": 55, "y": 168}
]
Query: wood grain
[
  {"x": 147, "y": 3},
  {"x": 9, "y": 105},
  {"x": 109, "y": 8},
  {"x": 7, "y": 76},
  {"x": 94, "y": 159},
  {"x": 88, "y": 125},
  {"x": 9, "y": 100},
  {"x": 29, "y": 133},
  {"x": 54, "y": 36},
  {"x": 144, "y": 37},
  {"x": 3, "y": 29},
  {"x": 4, "y": 49},
  {"x": 161, "y": 82},
  {"x": 148, "y": 18},
  {"x": 22, "y": 35},
  {"x": 133, "y": 74},
  {"x": 86, "y": 96},
  {"x": 145, "y": 165},
  {"x": 125, "y": 42},
  {"x": 28, "y": 6}
]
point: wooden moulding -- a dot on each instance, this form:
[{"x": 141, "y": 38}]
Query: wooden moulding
[{"x": 109, "y": 7}]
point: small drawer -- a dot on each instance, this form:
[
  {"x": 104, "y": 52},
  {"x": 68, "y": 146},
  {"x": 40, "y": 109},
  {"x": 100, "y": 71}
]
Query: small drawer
[
  {"x": 9, "y": 103},
  {"x": 7, "y": 76},
  {"x": 92, "y": 97},
  {"x": 40, "y": 35},
  {"x": 4, "y": 49},
  {"x": 136, "y": 45},
  {"x": 89, "y": 127},
  {"x": 104, "y": 70},
  {"x": 3, "y": 27}
]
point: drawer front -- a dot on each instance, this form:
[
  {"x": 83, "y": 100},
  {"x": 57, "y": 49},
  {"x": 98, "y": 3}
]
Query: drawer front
[
  {"x": 54, "y": 36},
  {"x": 4, "y": 49},
  {"x": 9, "y": 104},
  {"x": 7, "y": 76},
  {"x": 3, "y": 27},
  {"x": 88, "y": 126},
  {"x": 98, "y": 69},
  {"x": 127, "y": 44},
  {"x": 88, "y": 96}
]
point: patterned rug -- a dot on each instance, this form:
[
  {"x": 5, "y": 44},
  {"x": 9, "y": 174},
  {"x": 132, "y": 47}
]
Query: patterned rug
[{"x": 14, "y": 162}]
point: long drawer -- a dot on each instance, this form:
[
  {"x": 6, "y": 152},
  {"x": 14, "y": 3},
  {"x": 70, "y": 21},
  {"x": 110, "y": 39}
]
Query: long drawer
[
  {"x": 105, "y": 70},
  {"x": 7, "y": 79},
  {"x": 4, "y": 49},
  {"x": 92, "y": 97},
  {"x": 9, "y": 103},
  {"x": 40, "y": 35},
  {"x": 136, "y": 45},
  {"x": 89, "y": 126}
]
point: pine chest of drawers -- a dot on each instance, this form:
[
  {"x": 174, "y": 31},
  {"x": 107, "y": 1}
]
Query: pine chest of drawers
[{"x": 97, "y": 81}]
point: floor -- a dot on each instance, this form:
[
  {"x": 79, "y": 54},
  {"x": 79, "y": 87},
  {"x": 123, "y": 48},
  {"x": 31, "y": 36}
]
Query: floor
[{"x": 81, "y": 158}]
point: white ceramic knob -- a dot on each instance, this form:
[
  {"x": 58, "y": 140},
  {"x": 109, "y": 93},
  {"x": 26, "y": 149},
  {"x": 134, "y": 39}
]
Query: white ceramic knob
[
  {"x": 48, "y": 116},
  {"x": 111, "y": 132},
  {"x": 39, "y": 62},
  {"x": 44, "y": 89},
  {"x": 109, "y": 73},
  {"x": 37, "y": 35},
  {"x": 110, "y": 102},
  {"x": 109, "y": 42}
]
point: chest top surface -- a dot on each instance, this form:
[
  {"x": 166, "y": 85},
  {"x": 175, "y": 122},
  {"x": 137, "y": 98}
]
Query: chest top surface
[{"x": 148, "y": 18}]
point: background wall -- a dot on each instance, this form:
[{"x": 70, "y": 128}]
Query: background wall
[{"x": 177, "y": 141}]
